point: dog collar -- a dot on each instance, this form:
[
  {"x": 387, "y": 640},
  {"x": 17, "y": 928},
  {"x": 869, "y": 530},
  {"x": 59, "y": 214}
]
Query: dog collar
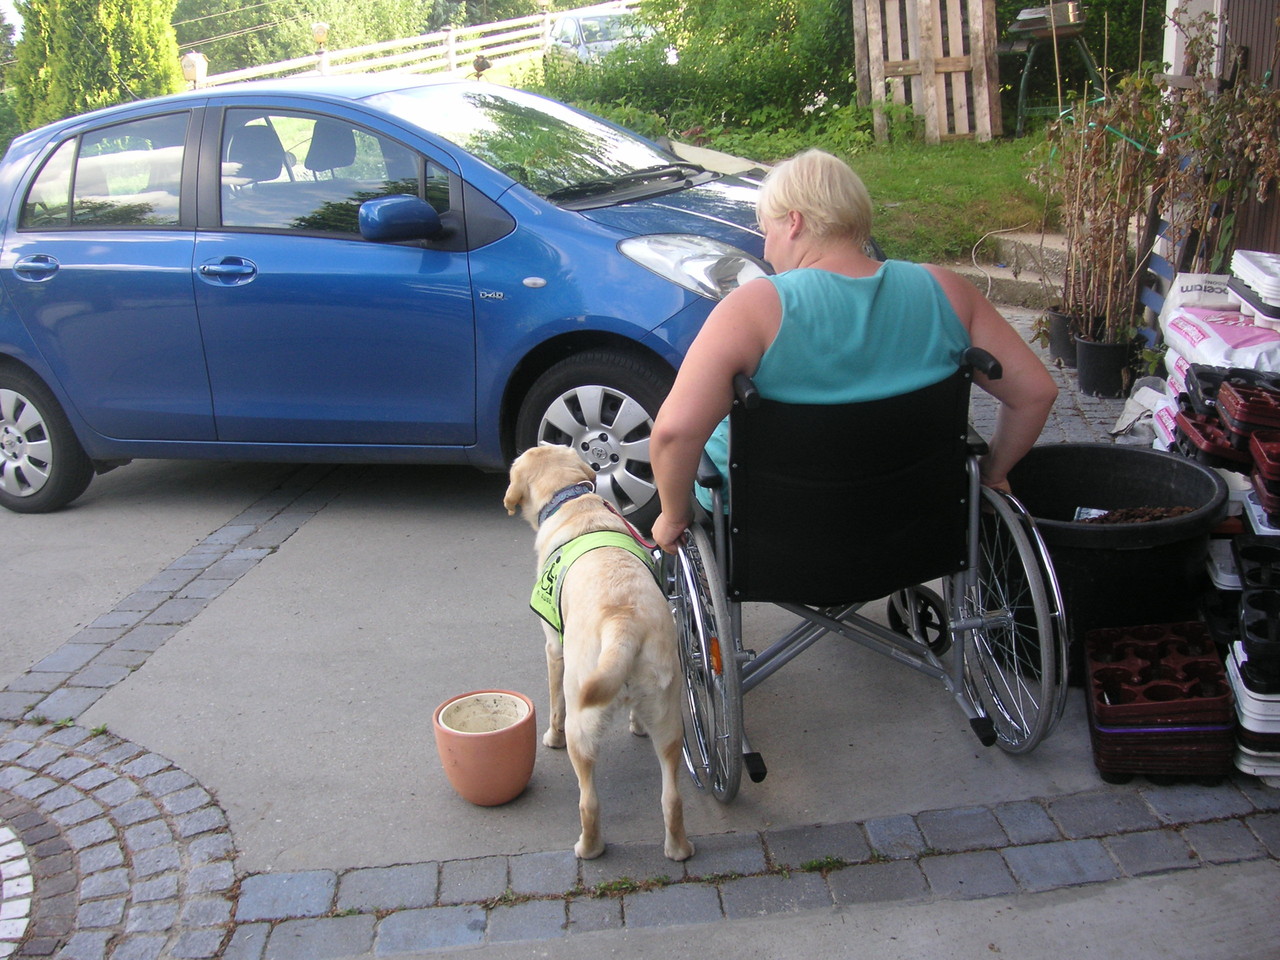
[{"x": 563, "y": 496}]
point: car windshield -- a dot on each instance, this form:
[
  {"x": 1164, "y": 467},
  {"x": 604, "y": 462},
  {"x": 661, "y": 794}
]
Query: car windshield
[
  {"x": 613, "y": 27},
  {"x": 553, "y": 150}
]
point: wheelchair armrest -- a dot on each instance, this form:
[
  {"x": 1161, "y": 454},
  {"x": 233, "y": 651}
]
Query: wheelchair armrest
[
  {"x": 977, "y": 443},
  {"x": 983, "y": 362},
  {"x": 708, "y": 476},
  {"x": 745, "y": 392}
]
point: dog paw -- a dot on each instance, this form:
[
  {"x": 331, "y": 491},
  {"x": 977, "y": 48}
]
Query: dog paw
[
  {"x": 678, "y": 851},
  {"x": 554, "y": 739},
  {"x": 584, "y": 852},
  {"x": 637, "y": 728}
]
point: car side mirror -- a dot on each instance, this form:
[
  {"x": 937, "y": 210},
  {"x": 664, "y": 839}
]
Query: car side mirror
[{"x": 399, "y": 217}]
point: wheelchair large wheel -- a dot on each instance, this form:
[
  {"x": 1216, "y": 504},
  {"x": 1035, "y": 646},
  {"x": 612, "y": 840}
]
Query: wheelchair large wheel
[
  {"x": 713, "y": 686},
  {"x": 1015, "y": 664}
]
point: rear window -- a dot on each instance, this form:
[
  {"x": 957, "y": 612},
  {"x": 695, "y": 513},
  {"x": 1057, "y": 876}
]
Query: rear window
[{"x": 125, "y": 175}]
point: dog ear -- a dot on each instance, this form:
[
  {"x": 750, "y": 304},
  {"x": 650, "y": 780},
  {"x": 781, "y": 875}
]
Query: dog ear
[
  {"x": 514, "y": 497},
  {"x": 518, "y": 488}
]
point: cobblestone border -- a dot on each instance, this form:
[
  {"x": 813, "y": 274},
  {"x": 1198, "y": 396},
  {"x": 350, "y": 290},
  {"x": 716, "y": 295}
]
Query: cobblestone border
[
  {"x": 966, "y": 853},
  {"x": 132, "y": 858},
  {"x": 72, "y": 678}
]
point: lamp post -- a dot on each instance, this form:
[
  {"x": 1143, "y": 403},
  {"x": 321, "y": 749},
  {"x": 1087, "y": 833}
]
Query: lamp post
[
  {"x": 320, "y": 33},
  {"x": 195, "y": 67}
]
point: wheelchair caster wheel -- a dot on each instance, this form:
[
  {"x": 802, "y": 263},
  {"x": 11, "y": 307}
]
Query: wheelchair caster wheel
[{"x": 931, "y": 617}]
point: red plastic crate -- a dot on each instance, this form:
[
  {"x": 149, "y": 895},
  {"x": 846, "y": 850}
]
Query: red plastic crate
[
  {"x": 1245, "y": 409},
  {"x": 1210, "y": 444},
  {"x": 1163, "y": 675},
  {"x": 1264, "y": 447}
]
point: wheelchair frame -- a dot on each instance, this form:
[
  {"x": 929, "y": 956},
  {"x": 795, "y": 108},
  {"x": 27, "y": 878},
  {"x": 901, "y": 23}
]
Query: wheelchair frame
[{"x": 995, "y": 638}]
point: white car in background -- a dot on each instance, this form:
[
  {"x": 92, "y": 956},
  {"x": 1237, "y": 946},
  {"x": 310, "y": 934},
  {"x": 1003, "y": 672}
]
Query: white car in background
[{"x": 586, "y": 38}]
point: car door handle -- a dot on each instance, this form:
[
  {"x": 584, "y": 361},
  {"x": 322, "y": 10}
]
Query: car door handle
[
  {"x": 36, "y": 268},
  {"x": 228, "y": 270}
]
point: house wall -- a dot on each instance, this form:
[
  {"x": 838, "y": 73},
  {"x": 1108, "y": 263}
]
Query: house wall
[{"x": 1252, "y": 24}]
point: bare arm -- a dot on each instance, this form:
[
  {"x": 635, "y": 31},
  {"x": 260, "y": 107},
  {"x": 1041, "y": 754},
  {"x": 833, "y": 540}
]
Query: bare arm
[
  {"x": 732, "y": 341},
  {"x": 1026, "y": 391}
]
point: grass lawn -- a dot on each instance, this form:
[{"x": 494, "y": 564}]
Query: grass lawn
[{"x": 933, "y": 203}]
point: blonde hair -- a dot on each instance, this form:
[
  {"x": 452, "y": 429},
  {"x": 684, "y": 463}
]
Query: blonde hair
[{"x": 822, "y": 188}]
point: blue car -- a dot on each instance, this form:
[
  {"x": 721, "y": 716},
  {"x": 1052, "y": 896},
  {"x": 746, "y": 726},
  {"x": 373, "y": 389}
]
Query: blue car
[{"x": 371, "y": 269}]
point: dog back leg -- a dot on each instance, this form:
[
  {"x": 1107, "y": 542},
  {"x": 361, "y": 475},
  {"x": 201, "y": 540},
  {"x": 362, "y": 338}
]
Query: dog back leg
[
  {"x": 661, "y": 716},
  {"x": 583, "y": 732},
  {"x": 668, "y": 746}
]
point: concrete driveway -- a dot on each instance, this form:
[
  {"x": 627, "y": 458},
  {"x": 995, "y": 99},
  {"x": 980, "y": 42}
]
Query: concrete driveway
[{"x": 256, "y": 651}]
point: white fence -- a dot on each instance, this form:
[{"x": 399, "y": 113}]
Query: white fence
[{"x": 446, "y": 51}]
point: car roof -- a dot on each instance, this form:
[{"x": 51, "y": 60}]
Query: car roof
[{"x": 335, "y": 89}]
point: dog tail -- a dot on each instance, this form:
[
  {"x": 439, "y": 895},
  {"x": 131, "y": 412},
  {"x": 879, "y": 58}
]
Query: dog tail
[{"x": 619, "y": 644}]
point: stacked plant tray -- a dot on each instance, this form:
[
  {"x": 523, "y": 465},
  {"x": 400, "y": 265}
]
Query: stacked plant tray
[
  {"x": 1253, "y": 667},
  {"x": 1220, "y": 411},
  {"x": 1255, "y": 284},
  {"x": 1160, "y": 703},
  {"x": 1264, "y": 450},
  {"x": 1218, "y": 418}
]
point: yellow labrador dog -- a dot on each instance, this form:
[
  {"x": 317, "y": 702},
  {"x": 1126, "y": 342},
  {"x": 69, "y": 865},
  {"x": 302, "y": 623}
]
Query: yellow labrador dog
[{"x": 619, "y": 643}]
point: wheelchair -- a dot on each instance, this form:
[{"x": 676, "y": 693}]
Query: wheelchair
[{"x": 830, "y": 507}]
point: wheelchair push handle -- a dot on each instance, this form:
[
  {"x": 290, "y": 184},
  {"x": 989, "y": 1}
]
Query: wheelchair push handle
[
  {"x": 983, "y": 362},
  {"x": 745, "y": 392}
]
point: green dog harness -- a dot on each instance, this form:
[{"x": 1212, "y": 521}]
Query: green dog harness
[{"x": 545, "y": 601}]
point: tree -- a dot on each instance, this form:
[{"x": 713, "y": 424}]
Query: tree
[
  {"x": 235, "y": 35},
  {"x": 7, "y": 43},
  {"x": 79, "y": 55}
]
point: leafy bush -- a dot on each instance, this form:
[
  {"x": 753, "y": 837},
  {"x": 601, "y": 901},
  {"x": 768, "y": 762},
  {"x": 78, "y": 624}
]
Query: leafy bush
[{"x": 737, "y": 65}]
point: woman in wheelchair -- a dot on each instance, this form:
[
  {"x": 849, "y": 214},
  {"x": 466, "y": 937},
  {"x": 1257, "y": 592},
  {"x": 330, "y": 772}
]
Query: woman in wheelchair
[
  {"x": 835, "y": 330},
  {"x": 835, "y": 326}
]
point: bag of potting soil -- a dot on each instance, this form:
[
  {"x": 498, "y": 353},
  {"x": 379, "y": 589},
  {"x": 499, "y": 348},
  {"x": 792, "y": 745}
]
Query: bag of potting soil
[
  {"x": 1207, "y": 291},
  {"x": 1177, "y": 367},
  {"x": 1221, "y": 338}
]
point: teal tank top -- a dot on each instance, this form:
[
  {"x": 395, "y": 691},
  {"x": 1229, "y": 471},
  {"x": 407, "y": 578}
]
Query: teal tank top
[{"x": 848, "y": 339}]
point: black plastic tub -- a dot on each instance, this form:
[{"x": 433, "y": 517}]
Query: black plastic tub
[{"x": 1121, "y": 574}]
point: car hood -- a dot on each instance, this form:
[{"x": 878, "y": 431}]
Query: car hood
[{"x": 724, "y": 209}]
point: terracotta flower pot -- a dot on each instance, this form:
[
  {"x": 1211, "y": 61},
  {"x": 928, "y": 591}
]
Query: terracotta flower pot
[{"x": 487, "y": 742}]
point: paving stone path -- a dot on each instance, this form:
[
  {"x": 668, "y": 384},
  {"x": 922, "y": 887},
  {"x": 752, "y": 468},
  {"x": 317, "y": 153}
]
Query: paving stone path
[{"x": 109, "y": 851}]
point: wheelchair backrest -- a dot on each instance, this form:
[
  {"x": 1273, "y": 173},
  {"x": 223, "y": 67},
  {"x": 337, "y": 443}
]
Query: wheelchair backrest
[{"x": 848, "y": 502}]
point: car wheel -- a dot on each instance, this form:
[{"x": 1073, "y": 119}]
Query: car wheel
[
  {"x": 602, "y": 405},
  {"x": 42, "y": 465}
]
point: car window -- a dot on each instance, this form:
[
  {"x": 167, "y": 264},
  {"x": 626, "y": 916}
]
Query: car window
[
  {"x": 545, "y": 145},
  {"x": 128, "y": 174},
  {"x": 567, "y": 31},
  {"x": 293, "y": 171}
]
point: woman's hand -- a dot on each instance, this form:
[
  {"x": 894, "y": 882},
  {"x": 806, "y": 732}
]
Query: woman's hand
[{"x": 667, "y": 531}]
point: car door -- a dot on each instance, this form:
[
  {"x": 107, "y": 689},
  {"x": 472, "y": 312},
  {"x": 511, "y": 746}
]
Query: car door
[
  {"x": 312, "y": 334},
  {"x": 99, "y": 270}
]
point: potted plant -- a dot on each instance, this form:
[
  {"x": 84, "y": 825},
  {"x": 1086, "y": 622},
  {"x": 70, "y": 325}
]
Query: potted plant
[
  {"x": 1102, "y": 167},
  {"x": 1221, "y": 143}
]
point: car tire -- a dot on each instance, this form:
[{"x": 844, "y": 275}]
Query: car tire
[
  {"x": 602, "y": 404},
  {"x": 42, "y": 465}
]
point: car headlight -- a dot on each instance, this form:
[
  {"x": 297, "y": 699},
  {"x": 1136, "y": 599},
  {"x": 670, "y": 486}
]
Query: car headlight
[{"x": 705, "y": 266}]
